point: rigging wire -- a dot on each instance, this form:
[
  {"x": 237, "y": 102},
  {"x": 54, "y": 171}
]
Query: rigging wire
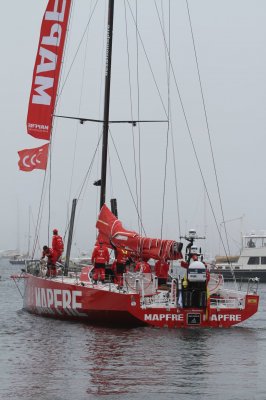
[
  {"x": 139, "y": 38},
  {"x": 207, "y": 123},
  {"x": 53, "y": 131},
  {"x": 41, "y": 203},
  {"x": 190, "y": 136},
  {"x": 51, "y": 139},
  {"x": 131, "y": 111},
  {"x": 167, "y": 61},
  {"x": 124, "y": 173},
  {"x": 175, "y": 174},
  {"x": 79, "y": 108},
  {"x": 167, "y": 58},
  {"x": 76, "y": 53},
  {"x": 39, "y": 216},
  {"x": 110, "y": 175},
  {"x": 87, "y": 175},
  {"x": 138, "y": 114},
  {"x": 148, "y": 60},
  {"x": 31, "y": 218},
  {"x": 49, "y": 190}
]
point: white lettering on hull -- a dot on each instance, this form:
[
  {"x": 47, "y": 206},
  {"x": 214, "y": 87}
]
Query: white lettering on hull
[
  {"x": 55, "y": 301},
  {"x": 163, "y": 317},
  {"x": 226, "y": 317},
  {"x": 180, "y": 317}
]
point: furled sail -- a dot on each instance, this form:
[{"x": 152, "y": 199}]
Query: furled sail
[
  {"x": 47, "y": 68},
  {"x": 112, "y": 233}
]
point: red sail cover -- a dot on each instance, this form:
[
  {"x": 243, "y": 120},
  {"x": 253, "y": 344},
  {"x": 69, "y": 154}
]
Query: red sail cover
[
  {"x": 112, "y": 233},
  {"x": 30, "y": 159},
  {"x": 47, "y": 68}
]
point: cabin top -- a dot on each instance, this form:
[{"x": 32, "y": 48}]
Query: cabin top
[{"x": 254, "y": 240}]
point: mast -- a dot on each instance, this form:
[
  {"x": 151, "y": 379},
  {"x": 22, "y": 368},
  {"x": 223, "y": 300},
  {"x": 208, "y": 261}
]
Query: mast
[
  {"x": 28, "y": 253},
  {"x": 107, "y": 100},
  {"x": 70, "y": 236},
  {"x": 18, "y": 228}
]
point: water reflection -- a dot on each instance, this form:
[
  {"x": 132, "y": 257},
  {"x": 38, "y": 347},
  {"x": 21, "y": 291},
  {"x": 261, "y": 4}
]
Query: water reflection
[
  {"x": 107, "y": 360},
  {"x": 143, "y": 360},
  {"x": 46, "y": 359}
]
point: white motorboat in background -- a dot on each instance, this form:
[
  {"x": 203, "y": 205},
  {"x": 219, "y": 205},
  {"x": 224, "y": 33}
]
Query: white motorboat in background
[{"x": 251, "y": 263}]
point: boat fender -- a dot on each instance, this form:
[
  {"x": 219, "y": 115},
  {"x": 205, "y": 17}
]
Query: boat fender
[{"x": 185, "y": 282}]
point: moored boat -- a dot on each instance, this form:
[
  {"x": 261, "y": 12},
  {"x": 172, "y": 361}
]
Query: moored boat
[
  {"x": 251, "y": 263},
  {"x": 19, "y": 260}
]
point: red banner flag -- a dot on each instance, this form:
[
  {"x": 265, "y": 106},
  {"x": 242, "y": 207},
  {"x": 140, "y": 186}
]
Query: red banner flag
[
  {"x": 30, "y": 159},
  {"x": 47, "y": 68}
]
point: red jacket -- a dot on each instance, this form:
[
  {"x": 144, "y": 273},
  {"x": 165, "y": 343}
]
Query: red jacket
[
  {"x": 51, "y": 255},
  {"x": 184, "y": 264},
  {"x": 100, "y": 255},
  {"x": 58, "y": 244},
  {"x": 121, "y": 256},
  {"x": 143, "y": 266},
  {"x": 161, "y": 269}
]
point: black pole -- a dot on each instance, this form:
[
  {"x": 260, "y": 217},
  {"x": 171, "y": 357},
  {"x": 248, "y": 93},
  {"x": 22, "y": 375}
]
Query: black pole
[
  {"x": 70, "y": 235},
  {"x": 114, "y": 207},
  {"x": 107, "y": 100}
]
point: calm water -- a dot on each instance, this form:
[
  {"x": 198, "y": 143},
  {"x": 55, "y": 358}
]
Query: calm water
[{"x": 52, "y": 360}]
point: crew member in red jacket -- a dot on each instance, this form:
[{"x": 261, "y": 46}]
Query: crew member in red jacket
[
  {"x": 161, "y": 271},
  {"x": 143, "y": 266},
  {"x": 57, "y": 245},
  {"x": 100, "y": 257},
  {"x": 119, "y": 265},
  {"x": 51, "y": 260}
]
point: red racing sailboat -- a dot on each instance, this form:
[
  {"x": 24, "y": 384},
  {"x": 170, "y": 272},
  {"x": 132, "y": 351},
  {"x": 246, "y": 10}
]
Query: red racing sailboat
[
  {"x": 190, "y": 301},
  {"x": 195, "y": 298}
]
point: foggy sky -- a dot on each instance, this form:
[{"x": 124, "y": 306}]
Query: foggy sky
[{"x": 230, "y": 37}]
